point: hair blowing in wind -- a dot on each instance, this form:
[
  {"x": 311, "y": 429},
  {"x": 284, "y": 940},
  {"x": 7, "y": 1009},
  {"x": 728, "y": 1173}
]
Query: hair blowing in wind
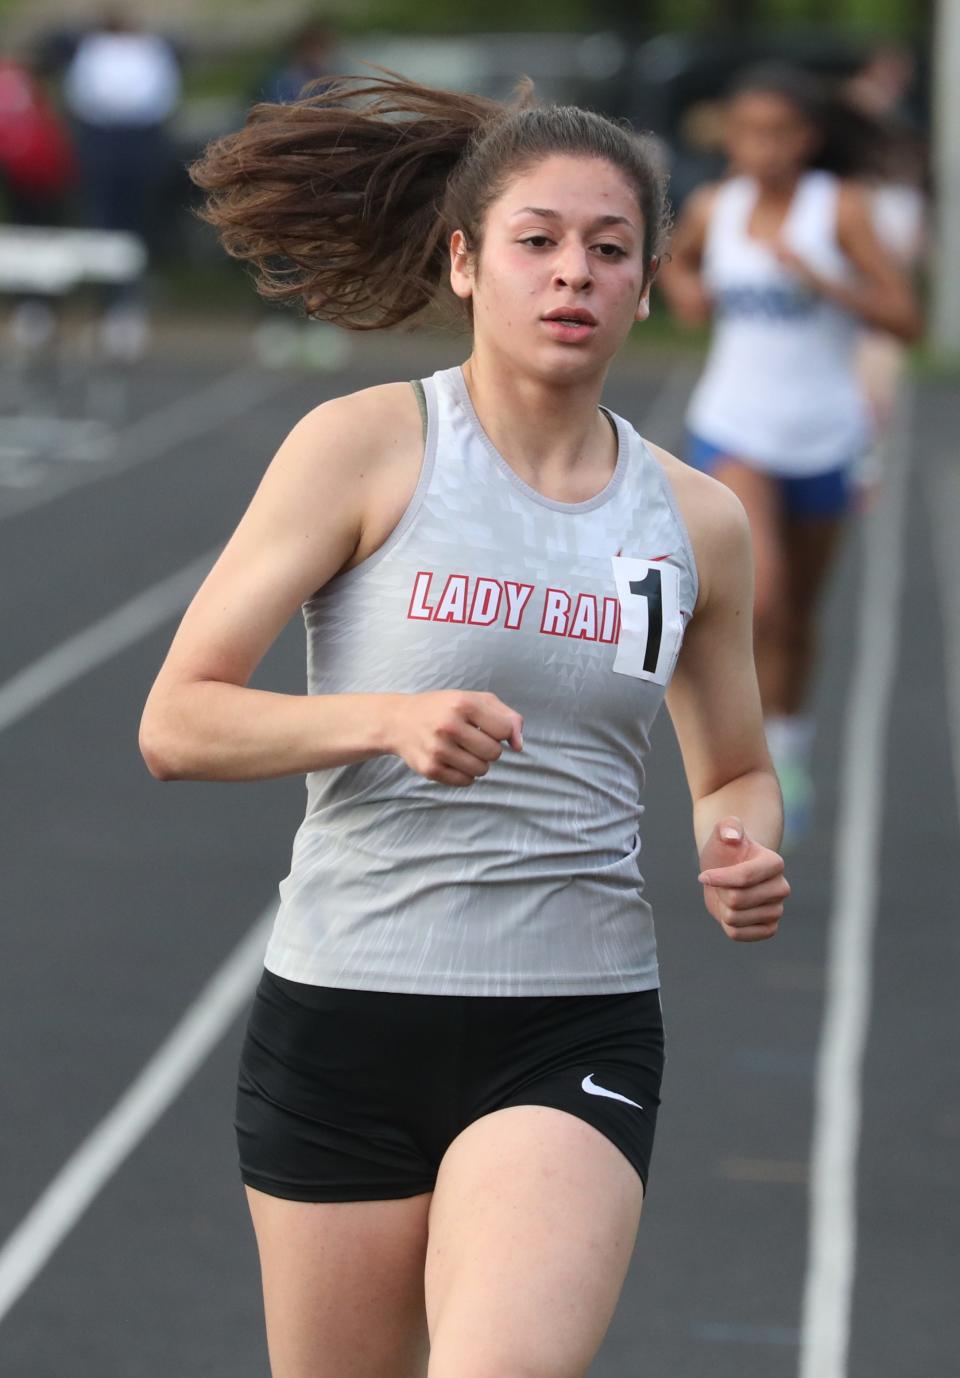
[{"x": 346, "y": 199}]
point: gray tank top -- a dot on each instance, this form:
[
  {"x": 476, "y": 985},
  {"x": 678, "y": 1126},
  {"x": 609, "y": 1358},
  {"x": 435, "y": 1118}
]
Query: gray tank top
[{"x": 528, "y": 881}]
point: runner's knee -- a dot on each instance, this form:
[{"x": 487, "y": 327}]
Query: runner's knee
[{"x": 456, "y": 1361}]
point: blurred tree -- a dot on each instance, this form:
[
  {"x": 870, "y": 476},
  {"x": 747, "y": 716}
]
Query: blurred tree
[
  {"x": 641, "y": 17},
  {"x": 631, "y": 17}
]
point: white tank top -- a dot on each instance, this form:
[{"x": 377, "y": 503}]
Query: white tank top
[
  {"x": 780, "y": 386},
  {"x": 528, "y": 881}
]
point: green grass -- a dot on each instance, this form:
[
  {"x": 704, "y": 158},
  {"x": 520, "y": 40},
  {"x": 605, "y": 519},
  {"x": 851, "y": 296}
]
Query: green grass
[
  {"x": 661, "y": 332},
  {"x": 927, "y": 362}
]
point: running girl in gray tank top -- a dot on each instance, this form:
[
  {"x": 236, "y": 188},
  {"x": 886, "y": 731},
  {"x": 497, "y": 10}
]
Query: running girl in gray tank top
[{"x": 449, "y": 1083}]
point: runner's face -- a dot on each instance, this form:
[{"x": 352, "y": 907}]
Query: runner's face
[
  {"x": 767, "y": 137},
  {"x": 564, "y": 236}
]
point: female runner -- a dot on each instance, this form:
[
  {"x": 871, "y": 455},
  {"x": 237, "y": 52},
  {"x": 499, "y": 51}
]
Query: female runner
[
  {"x": 783, "y": 255},
  {"x": 451, "y": 1074}
]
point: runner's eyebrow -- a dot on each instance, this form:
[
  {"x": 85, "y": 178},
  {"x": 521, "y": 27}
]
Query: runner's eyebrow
[{"x": 555, "y": 215}]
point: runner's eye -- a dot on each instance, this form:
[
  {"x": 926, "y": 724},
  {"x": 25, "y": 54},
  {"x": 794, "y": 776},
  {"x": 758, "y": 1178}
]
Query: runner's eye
[
  {"x": 611, "y": 251},
  {"x": 536, "y": 241}
]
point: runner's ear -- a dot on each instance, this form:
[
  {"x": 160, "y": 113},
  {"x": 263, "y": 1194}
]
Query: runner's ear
[{"x": 461, "y": 276}]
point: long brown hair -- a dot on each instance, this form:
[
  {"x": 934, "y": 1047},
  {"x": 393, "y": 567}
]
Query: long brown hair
[{"x": 347, "y": 198}]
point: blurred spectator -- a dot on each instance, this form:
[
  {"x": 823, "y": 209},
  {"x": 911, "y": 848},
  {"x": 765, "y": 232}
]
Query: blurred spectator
[
  {"x": 309, "y": 60},
  {"x": 121, "y": 88},
  {"x": 37, "y": 164},
  {"x": 881, "y": 85},
  {"x": 37, "y": 173},
  {"x": 881, "y": 89}
]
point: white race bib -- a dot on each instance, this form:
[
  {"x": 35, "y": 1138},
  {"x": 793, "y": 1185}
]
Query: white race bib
[{"x": 651, "y": 628}]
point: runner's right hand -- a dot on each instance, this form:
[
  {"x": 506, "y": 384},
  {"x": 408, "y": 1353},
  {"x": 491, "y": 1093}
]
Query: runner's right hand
[{"x": 452, "y": 735}]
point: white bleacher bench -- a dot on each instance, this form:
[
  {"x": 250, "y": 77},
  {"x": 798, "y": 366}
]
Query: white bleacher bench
[{"x": 54, "y": 264}]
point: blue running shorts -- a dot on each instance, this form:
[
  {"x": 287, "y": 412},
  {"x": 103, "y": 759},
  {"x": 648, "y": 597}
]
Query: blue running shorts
[{"x": 828, "y": 493}]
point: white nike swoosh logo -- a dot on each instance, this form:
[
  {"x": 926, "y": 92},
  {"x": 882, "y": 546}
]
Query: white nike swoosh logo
[{"x": 590, "y": 1086}]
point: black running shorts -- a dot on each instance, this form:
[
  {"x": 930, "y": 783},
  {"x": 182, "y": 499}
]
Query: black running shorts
[{"x": 353, "y": 1095}]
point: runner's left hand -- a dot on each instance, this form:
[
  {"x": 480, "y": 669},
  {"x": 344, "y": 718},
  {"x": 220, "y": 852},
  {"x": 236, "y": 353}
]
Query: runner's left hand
[
  {"x": 743, "y": 883},
  {"x": 797, "y": 265}
]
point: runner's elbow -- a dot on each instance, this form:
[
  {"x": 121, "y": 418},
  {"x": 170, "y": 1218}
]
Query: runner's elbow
[
  {"x": 914, "y": 332},
  {"x": 160, "y": 745},
  {"x": 158, "y": 760}
]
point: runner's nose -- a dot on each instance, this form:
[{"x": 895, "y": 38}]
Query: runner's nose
[{"x": 574, "y": 271}]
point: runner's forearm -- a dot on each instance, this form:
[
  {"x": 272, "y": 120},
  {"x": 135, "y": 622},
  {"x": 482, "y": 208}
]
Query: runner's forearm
[
  {"x": 899, "y": 318},
  {"x": 217, "y": 731},
  {"x": 754, "y": 797}
]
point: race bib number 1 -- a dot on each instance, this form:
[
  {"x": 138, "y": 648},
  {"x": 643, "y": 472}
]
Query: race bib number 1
[{"x": 651, "y": 627}]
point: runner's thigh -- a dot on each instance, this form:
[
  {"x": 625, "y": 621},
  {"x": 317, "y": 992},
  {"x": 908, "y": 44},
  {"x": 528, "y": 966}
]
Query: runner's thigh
[
  {"x": 811, "y": 546},
  {"x": 760, "y": 495},
  {"x": 343, "y": 1286},
  {"x": 532, "y": 1226}
]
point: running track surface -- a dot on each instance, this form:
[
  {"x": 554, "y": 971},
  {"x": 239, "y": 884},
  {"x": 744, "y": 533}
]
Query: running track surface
[{"x": 121, "y": 898}]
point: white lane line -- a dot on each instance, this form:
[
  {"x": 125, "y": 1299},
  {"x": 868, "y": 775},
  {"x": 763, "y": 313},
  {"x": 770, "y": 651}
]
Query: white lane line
[
  {"x": 831, "y": 1255},
  {"x": 175, "y": 423},
  {"x": 52, "y": 672},
  {"x": 943, "y": 496},
  {"x": 69, "y": 1194},
  {"x": 84, "y": 1175}
]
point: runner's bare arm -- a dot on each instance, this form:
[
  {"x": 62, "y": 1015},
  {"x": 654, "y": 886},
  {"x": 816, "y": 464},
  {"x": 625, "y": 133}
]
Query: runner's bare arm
[
  {"x": 680, "y": 275},
  {"x": 881, "y": 295},
  {"x": 347, "y": 467},
  {"x": 715, "y": 706},
  {"x": 713, "y": 699}
]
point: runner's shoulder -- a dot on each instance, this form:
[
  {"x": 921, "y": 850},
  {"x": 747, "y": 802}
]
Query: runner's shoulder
[
  {"x": 698, "y": 206},
  {"x": 702, "y": 499},
  {"x": 365, "y": 429}
]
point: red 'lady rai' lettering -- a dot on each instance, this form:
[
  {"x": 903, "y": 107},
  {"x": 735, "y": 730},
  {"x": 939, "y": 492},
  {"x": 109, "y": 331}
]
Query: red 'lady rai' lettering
[
  {"x": 453, "y": 601},
  {"x": 487, "y": 597},
  {"x": 487, "y": 602},
  {"x": 556, "y": 612},
  {"x": 491, "y": 601},
  {"x": 610, "y": 623},
  {"x": 583, "y": 625},
  {"x": 518, "y": 596},
  {"x": 419, "y": 608},
  {"x": 588, "y": 623}
]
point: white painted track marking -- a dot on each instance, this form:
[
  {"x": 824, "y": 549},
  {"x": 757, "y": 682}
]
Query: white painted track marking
[
  {"x": 77, "y": 655},
  {"x": 178, "y": 422},
  {"x": 831, "y": 1256},
  {"x": 82, "y": 1177},
  {"x": 68, "y": 1195},
  {"x": 66, "y": 1198}
]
